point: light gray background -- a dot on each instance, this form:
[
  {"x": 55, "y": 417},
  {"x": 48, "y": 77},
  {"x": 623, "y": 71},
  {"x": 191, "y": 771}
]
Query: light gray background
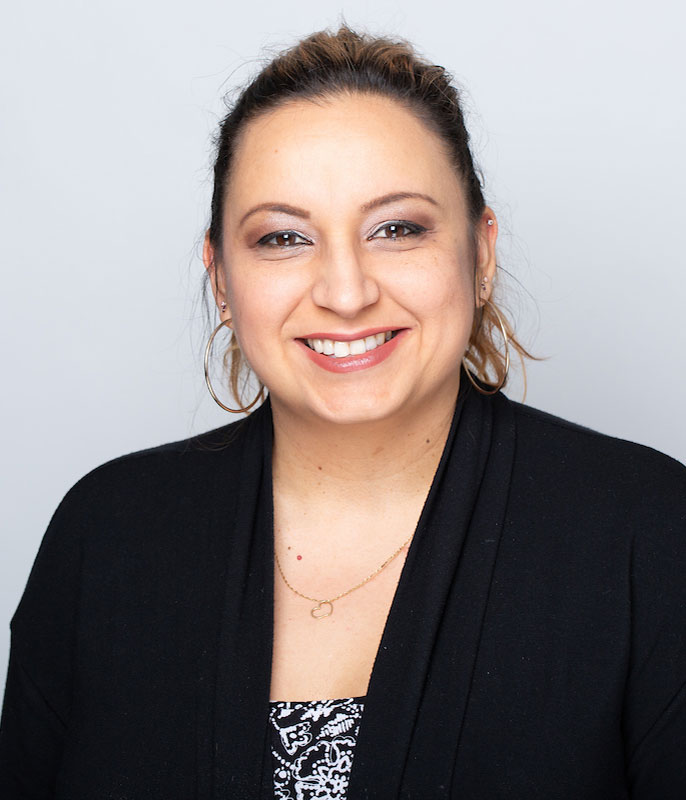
[{"x": 577, "y": 113}]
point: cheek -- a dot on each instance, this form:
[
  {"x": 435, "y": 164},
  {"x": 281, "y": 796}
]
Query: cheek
[
  {"x": 440, "y": 287},
  {"x": 260, "y": 303}
]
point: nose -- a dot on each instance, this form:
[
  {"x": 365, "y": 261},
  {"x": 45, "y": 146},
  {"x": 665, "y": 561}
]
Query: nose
[{"x": 343, "y": 284}]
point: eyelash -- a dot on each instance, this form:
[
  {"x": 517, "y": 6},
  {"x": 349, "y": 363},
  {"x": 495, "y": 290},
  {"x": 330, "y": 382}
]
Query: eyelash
[
  {"x": 265, "y": 240},
  {"x": 413, "y": 229}
]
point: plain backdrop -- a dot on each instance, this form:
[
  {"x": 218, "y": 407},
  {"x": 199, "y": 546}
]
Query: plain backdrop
[{"x": 108, "y": 110}]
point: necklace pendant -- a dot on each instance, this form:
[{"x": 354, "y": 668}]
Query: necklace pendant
[{"x": 324, "y": 608}]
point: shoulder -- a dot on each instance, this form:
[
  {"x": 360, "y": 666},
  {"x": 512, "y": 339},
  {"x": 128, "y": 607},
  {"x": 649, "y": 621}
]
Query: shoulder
[
  {"x": 162, "y": 488},
  {"x": 591, "y": 473},
  {"x": 567, "y": 443},
  {"x": 132, "y": 509},
  {"x": 180, "y": 464}
]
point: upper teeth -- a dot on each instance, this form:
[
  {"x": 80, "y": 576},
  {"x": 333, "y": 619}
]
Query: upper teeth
[{"x": 331, "y": 347}]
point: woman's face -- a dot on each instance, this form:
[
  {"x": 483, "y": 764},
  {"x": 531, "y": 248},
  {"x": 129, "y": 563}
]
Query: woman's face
[{"x": 348, "y": 264}]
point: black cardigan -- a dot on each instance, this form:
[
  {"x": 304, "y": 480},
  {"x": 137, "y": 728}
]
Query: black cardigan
[{"x": 535, "y": 648}]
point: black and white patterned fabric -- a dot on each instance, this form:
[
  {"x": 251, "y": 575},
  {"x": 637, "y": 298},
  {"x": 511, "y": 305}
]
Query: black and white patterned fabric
[{"x": 313, "y": 744}]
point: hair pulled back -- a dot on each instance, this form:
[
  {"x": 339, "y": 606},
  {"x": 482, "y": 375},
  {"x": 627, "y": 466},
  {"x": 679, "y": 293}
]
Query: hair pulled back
[{"x": 327, "y": 64}]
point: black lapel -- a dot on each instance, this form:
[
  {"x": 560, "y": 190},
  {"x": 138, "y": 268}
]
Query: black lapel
[
  {"x": 240, "y": 676},
  {"x": 421, "y": 679}
]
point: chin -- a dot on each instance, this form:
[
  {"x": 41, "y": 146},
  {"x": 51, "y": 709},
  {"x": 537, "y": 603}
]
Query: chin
[{"x": 356, "y": 408}]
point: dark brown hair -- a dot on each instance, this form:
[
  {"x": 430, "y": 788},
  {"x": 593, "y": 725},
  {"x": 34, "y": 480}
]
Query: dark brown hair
[{"x": 326, "y": 64}]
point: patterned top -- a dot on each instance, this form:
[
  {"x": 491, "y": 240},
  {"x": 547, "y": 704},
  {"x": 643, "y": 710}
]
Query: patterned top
[{"x": 312, "y": 746}]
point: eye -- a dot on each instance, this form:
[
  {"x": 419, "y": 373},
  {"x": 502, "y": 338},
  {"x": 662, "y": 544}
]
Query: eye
[
  {"x": 398, "y": 229},
  {"x": 283, "y": 239}
]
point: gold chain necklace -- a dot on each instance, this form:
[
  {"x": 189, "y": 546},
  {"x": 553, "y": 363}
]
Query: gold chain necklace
[{"x": 324, "y": 608}]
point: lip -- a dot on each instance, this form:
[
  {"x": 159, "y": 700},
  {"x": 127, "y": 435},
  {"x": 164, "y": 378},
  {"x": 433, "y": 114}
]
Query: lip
[
  {"x": 353, "y": 363},
  {"x": 349, "y": 337}
]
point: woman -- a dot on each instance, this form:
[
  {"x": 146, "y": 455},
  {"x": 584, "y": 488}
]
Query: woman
[{"x": 390, "y": 580}]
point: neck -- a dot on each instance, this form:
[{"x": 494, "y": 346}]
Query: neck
[{"x": 376, "y": 463}]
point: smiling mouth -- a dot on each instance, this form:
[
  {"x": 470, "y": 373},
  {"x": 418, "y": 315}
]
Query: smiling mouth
[{"x": 338, "y": 349}]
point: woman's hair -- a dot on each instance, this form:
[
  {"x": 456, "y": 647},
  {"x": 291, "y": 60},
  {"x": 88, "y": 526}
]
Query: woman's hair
[{"x": 327, "y": 64}]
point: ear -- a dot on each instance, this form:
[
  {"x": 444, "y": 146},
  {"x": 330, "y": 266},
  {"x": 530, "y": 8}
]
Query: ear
[
  {"x": 486, "y": 235},
  {"x": 216, "y": 276}
]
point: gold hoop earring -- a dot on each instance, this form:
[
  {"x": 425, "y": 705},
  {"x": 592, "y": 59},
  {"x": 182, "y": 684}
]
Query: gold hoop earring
[
  {"x": 507, "y": 356},
  {"x": 208, "y": 350}
]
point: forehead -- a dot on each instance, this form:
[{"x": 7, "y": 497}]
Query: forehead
[{"x": 340, "y": 149}]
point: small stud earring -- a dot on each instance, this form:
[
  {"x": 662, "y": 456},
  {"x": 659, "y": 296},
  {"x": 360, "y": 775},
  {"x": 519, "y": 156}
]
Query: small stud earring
[
  {"x": 484, "y": 281},
  {"x": 490, "y": 222},
  {"x": 223, "y": 306}
]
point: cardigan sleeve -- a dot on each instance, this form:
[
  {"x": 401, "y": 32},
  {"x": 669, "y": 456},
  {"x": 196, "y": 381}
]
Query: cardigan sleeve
[
  {"x": 31, "y": 738},
  {"x": 39, "y": 680},
  {"x": 655, "y": 700}
]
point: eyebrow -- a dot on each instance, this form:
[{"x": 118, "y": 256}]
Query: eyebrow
[
  {"x": 370, "y": 206},
  {"x": 393, "y": 197},
  {"x": 285, "y": 209}
]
